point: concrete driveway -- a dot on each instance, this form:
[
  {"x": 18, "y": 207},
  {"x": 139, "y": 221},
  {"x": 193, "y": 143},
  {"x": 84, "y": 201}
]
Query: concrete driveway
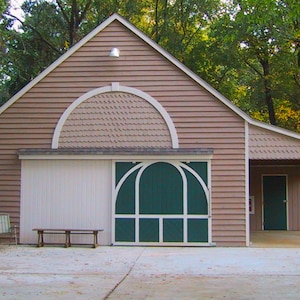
[{"x": 27, "y": 272}]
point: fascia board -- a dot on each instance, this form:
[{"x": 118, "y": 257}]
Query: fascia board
[{"x": 181, "y": 157}]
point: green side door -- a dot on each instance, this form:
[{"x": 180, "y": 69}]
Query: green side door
[{"x": 275, "y": 202}]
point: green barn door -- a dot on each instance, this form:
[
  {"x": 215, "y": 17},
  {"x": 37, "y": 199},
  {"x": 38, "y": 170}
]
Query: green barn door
[
  {"x": 275, "y": 201},
  {"x": 161, "y": 202},
  {"x": 161, "y": 193}
]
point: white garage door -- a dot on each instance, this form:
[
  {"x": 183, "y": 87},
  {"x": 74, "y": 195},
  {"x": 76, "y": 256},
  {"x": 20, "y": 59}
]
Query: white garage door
[{"x": 65, "y": 194}]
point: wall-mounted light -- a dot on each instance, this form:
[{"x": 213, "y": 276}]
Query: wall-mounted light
[{"x": 114, "y": 52}]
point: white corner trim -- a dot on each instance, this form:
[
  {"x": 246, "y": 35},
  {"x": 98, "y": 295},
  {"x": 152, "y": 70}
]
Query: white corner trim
[
  {"x": 247, "y": 185},
  {"x": 113, "y": 88}
]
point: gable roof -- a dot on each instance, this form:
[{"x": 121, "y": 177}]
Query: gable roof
[{"x": 161, "y": 51}]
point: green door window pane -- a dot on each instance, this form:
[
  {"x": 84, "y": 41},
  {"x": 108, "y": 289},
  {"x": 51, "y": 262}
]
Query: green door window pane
[
  {"x": 200, "y": 168},
  {"x": 196, "y": 198},
  {"x": 149, "y": 230},
  {"x": 122, "y": 168},
  {"x": 125, "y": 230},
  {"x": 173, "y": 230},
  {"x": 197, "y": 230},
  {"x": 126, "y": 197}
]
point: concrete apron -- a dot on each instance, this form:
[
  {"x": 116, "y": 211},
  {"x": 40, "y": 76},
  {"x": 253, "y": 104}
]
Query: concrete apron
[
  {"x": 275, "y": 239},
  {"x": 149, "y": 273}
]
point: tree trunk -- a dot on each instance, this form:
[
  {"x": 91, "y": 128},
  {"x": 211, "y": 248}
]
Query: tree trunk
[{"x": 267, "y": 90}]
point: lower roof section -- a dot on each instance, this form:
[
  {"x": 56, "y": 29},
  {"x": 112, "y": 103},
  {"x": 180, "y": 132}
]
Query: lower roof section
[
  {"x": 114, "y": 153},
  {"x": 266, "y": 144}
]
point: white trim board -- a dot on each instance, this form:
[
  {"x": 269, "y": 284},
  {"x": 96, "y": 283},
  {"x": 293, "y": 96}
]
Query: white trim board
[{"x": 137, "y": 157}]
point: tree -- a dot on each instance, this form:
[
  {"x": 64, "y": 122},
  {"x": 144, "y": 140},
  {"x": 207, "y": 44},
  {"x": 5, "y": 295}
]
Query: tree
[
  {"x": 261, "y": 38},
  {"x": 37, "y": 43},
  {"x": 3, "y": 6},
  {"x": 247, "y": 49}
]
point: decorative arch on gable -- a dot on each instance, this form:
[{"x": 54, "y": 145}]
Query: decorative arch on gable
[{"x": 152, "y": 128}]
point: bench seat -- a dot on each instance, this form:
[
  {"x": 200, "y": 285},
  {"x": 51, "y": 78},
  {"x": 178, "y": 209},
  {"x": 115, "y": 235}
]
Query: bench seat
[{"x": 67, "y": 232}]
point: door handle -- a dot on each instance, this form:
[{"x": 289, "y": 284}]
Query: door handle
[{"x": 284, "y": 201}]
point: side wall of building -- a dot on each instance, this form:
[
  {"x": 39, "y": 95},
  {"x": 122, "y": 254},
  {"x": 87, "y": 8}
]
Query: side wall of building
[{"x": 200, "y": 119}]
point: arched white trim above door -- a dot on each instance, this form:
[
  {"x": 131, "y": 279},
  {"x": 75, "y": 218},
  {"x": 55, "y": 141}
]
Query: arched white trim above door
[{"x": 115, "y": 87}]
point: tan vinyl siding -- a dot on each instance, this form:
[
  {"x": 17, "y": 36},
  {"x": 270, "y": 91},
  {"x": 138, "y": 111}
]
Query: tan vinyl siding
[{"x": 200, "y": 119}]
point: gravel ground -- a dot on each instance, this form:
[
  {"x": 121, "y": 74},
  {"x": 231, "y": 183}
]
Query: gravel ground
[{"x": 27, "y": 272}]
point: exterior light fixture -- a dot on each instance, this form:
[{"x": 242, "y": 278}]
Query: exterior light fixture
[{"x": 114, "y": 52}]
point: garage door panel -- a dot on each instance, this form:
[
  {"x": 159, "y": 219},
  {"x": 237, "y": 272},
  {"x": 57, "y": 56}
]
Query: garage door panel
[
  {"x": 66, "y": 194},
  {"x": 161, "y": 190},
  {"x": 123, "y": 168},
  {"x": 201, "y": 169},
  {"x": 196, "y": 197},
  {"x": 125, "y": 230},
  {"x": 171, "y": 203},
  {"x": 126, "y": 196},
  {"x": 173, "y": 230},
  {"x": 149, "y": 230},
  {"x": 197, "y": 230}
]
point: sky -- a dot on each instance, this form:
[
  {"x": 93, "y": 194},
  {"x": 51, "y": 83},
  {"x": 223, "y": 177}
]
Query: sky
[
  {"x": 15, "y": 6},
  {"x": 16, "y": 10}
]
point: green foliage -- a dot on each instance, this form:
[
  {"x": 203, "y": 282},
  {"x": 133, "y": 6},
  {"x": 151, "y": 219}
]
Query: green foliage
[
  {"x": 36, "y": 44},
  {"x": 258, "y": 40},
  {"x": 287, "y": 116},
  {"x": 249, "y": 50},
  {"x": 3, "y": 6}
]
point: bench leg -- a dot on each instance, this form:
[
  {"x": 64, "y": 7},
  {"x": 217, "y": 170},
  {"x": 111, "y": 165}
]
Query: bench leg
[
  {"x": 95, "y": 239},
  {"x": 68, "y": 239},
  {"x": 40, "y": 238}
]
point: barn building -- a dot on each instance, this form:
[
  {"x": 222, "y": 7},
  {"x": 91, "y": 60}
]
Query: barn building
[{"x": 118, "y": 134}]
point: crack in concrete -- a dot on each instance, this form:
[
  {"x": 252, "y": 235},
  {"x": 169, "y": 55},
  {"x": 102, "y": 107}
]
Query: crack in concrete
[{"x": 125, "y": 276}]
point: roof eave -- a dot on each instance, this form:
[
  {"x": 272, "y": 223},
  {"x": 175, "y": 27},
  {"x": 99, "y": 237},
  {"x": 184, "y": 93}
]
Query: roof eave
[{"x": 274, "y": 128}]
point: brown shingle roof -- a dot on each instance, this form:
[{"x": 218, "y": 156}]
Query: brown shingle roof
[
  {"x": 113, "y": 120},
  {"x": 266, "y": 144}
]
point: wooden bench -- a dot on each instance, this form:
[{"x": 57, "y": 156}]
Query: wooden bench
[{"x": 67, "y": 232}]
